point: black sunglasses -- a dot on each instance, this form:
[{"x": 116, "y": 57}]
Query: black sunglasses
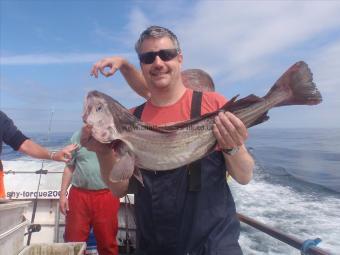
[{"x": 150, "y": 56}]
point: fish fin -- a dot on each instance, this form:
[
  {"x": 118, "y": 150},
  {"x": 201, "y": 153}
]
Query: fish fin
[
  {"x": 264, "y": 117},
  {"x": 234, "y": 105},
  {"x": 124, "y": 166},
  {"x": 296, "y": 87}
]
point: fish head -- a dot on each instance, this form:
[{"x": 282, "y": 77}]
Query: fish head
[{"x": 99, "y": 112}]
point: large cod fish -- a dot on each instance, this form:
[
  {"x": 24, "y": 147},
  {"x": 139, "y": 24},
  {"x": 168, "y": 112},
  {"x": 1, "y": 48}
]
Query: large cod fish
[{"x": 140, "y": 145}]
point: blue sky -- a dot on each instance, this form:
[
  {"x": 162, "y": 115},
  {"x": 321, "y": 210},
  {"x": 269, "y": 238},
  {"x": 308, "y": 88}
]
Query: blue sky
[{"x": 47, "y": 49}]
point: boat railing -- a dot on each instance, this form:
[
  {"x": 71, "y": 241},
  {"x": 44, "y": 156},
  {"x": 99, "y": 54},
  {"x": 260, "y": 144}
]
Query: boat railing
[{"x": 307, "y": 247}]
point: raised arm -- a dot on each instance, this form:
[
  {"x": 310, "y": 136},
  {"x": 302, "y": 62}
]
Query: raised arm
[{"x": 133, "y": 76}]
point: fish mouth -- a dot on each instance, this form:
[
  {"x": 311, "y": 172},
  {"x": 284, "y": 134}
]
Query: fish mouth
[{"x": 100, "y": 136}]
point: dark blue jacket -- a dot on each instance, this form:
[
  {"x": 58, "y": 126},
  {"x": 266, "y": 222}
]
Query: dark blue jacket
[
  {"x": 182, "y": 212},
  {"x": 9, "y": 134},
  {"x": 173, "y": 220}
]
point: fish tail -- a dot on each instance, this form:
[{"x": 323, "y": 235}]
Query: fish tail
[{"x": 296, "y": 87}]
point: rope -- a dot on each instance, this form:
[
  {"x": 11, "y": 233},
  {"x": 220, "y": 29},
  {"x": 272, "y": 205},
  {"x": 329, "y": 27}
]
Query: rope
[{"x": 308, "y": 244}]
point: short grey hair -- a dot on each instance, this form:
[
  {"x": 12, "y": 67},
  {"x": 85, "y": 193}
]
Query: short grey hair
[{"x": 156, "y": 32}]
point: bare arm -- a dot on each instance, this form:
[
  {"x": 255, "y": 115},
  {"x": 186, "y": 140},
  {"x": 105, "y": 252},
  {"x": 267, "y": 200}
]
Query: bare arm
[
  {"x": 37, "y": 151},
  {"x": 133, "y": 76},
  {"x": 230, "y": 132},
  {"x": 240, "y": 166},
  {"x": 65, "y": 183}
]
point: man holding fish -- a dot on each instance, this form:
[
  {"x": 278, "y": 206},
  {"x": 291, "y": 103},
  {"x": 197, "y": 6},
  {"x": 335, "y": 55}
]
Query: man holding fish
[{"x": 177, "y": 213}]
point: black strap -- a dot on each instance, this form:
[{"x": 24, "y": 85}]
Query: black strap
[
  {"x": 133, "y": 183},
  {"x": 196, "y": 104},
  {"x": 138, "y": 111},
  {"x": 195, "y": 167}
]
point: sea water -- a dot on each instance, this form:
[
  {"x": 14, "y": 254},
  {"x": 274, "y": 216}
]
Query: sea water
[
  {"x": 296, "y": 188},
  {"x": 296, "y": 185}
]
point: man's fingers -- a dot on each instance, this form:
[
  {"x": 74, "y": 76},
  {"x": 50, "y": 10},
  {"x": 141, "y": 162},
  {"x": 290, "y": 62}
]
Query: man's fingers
[
  {"x": 218, "y": 135},
  {"x": 240, "y": 130},
  {"x": 107, "y": 67},
  {"x": 224, "y": 138},
  {"x": 112, "y": 69},
  {"x": 231, "y": 128},
  {"x": 94, "y": 70},
  {"x": 70, "y": 148},
  {"x": 67, "y": 155},
  {"x": 228, "y": 131},
  {"x": 62, "y": 207}
]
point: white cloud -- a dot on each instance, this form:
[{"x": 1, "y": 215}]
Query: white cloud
[
  {"x": 230, "y": 36},
  {"x": 242, "y": 44},
  {"x": 138, "y": 21},
  {"x": 58, "y": 58},
  {"x": 327, "y": 66},
  {"x": 43, "y": 59}
]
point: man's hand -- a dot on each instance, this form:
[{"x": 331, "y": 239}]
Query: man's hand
[
  {"x": 63, "y": 203},
  {"x": 229, "y": 131},
  {"x": 113, "y": 63},
  {"x": 133, "y": 76},
  {"x": 65, "y": 154}
]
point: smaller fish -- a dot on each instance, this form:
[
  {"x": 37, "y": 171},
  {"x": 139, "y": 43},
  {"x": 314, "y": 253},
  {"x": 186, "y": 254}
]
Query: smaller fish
[{"x": 140, "y": 145}]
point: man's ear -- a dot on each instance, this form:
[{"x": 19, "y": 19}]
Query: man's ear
[{"x": 180, "y": 58}]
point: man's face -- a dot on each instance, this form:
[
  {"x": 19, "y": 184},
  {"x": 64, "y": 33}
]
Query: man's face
[{"x": 160, "y": 74}]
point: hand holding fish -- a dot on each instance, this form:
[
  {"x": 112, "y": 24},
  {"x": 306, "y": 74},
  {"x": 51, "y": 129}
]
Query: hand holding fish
[{"x": 229, "y": 131}]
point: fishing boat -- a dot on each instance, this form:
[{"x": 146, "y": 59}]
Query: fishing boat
[
  {"x": 30, "y": 215},
  {"x": 31, "y": 221}
]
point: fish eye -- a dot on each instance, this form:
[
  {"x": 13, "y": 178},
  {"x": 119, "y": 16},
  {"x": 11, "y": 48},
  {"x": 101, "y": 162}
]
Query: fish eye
[{"x": 99, "y": 108}]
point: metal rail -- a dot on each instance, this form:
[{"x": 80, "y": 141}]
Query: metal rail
[
  {"x": 41, "y": 171},
  {"x": 24, "y": 223},
  {"x": 277, "y": 234}
]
